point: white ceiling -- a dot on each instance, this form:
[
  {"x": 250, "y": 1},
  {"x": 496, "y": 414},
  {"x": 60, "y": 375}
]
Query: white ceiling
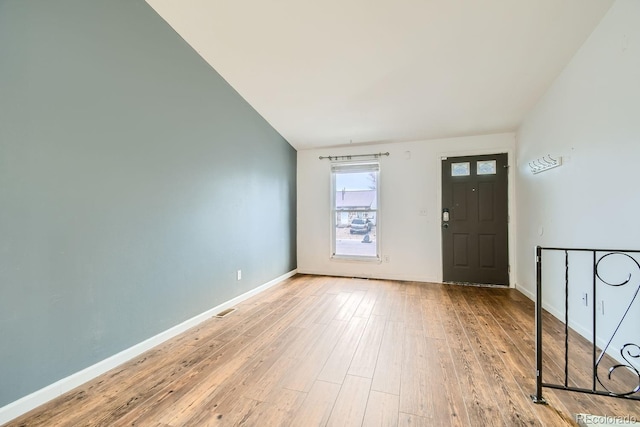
[{"x": 332, "y": 72}]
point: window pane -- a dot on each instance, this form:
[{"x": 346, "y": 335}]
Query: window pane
[
  {"x": 357, "y": 181},
  {"x": 355, "y": 210},
  {"x": 356, "y": 233},
  {"x": 460, "y": 169},
  {"x": 486, "y": 167}
]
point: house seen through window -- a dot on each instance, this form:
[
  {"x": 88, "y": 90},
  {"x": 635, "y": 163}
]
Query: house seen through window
[{"x": 355, "y": 210}]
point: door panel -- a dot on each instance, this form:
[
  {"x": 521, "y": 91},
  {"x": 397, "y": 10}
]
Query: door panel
[
  {"x": 475, "y": 239},
  {"x": 460, "y": 201},
  {"x": 461, "y": 250},
  {"x": 486, "y": 203},
  {"x": 487, "y": 250}
]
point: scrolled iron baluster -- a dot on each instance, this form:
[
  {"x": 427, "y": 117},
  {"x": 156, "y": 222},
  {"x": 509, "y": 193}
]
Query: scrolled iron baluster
[
  {"x": 629, "y": 367},
  {"x": 627, "y": 347}
]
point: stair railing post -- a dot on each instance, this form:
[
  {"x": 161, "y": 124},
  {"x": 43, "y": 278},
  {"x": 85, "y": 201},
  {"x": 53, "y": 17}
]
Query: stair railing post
[{"x": 537, "y": 398}]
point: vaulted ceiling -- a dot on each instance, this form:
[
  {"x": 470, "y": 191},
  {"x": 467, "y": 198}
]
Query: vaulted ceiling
[{"x": 334, "y": 72}]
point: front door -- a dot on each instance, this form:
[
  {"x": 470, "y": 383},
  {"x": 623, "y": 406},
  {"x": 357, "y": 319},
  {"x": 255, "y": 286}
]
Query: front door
[{"x": 474, "y": 219}]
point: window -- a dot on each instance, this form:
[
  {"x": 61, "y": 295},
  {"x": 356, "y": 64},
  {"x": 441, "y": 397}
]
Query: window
[
  {"x": 354, "y": 214},
  {"x": 486, "y": 167},
  {"x": 460, "y": 169}
]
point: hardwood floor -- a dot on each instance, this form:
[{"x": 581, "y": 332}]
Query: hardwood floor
[{"x": 316, "y": 351}]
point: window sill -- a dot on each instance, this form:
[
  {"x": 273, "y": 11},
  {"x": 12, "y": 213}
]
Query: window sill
[{"x": 354, "y": 258}]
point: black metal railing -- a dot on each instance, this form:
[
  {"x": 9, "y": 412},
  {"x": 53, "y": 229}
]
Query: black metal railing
[{"x": 610, "y": 373}]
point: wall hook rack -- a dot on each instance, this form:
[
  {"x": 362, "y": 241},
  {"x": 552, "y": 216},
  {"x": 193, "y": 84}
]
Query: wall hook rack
[{"x": 544, "y": 163}]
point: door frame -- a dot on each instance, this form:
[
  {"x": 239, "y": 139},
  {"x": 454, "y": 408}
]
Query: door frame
[{"x": 511, "y": 203}]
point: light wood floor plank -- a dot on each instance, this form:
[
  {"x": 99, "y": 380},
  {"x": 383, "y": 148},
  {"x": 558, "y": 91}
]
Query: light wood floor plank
[
  {"x": 350, "y": 306},
  {"x": 317, "y": 406},
  {"x": 351, "y": 403},
  {"x": 332, "y": 310},
  {"x": 455, "y": 413},
  {"x": 415, "y": 396},
  {"x": 398, "y": 298},
  {"x": 265, "y": 384},
  {"x": 276, "y": 410},
  {"x": 387, "y": 374},
  {"x": 312, "y": 361},
  {"x": 366, "y": 356},
  {"x": 337, "y": 365},
  {"x": 431, "y": 323},
  {"x": 410, "y": 420},
  {"x": 367, "y": 304},
  {"x": 382, "y": 410}
]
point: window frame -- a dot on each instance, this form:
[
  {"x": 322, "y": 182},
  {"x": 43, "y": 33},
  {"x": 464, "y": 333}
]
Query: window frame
[{"x": 354, "y": 167}]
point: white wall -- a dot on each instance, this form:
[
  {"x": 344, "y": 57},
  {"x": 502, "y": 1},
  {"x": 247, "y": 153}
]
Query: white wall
[
  {"x": 410, "y": 183},
  {"x": 591, "y": 117}
]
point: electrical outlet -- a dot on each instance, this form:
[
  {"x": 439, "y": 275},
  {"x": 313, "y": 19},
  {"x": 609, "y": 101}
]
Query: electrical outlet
[
  {"x": 387, "y": 258},
  {"x": 239, "y": 275}
]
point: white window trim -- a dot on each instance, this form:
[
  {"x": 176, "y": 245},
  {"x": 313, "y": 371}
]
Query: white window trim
[{"x": 354, "y": 167}]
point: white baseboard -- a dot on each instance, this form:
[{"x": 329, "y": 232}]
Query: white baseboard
[
  {"x": 42, "y": 396},
  {"x": 374, "y": 276},
  {"x": 526, "y": 292}
]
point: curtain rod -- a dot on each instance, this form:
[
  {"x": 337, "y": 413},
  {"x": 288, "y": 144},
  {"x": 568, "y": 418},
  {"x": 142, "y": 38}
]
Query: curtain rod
[{"x": 374, "y": 155}]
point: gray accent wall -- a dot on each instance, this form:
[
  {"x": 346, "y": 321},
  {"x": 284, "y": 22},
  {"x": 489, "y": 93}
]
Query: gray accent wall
[{"x": 134, "y": 182}]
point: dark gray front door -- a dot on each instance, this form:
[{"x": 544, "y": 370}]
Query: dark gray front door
[{"x": 475, "y": 219}]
